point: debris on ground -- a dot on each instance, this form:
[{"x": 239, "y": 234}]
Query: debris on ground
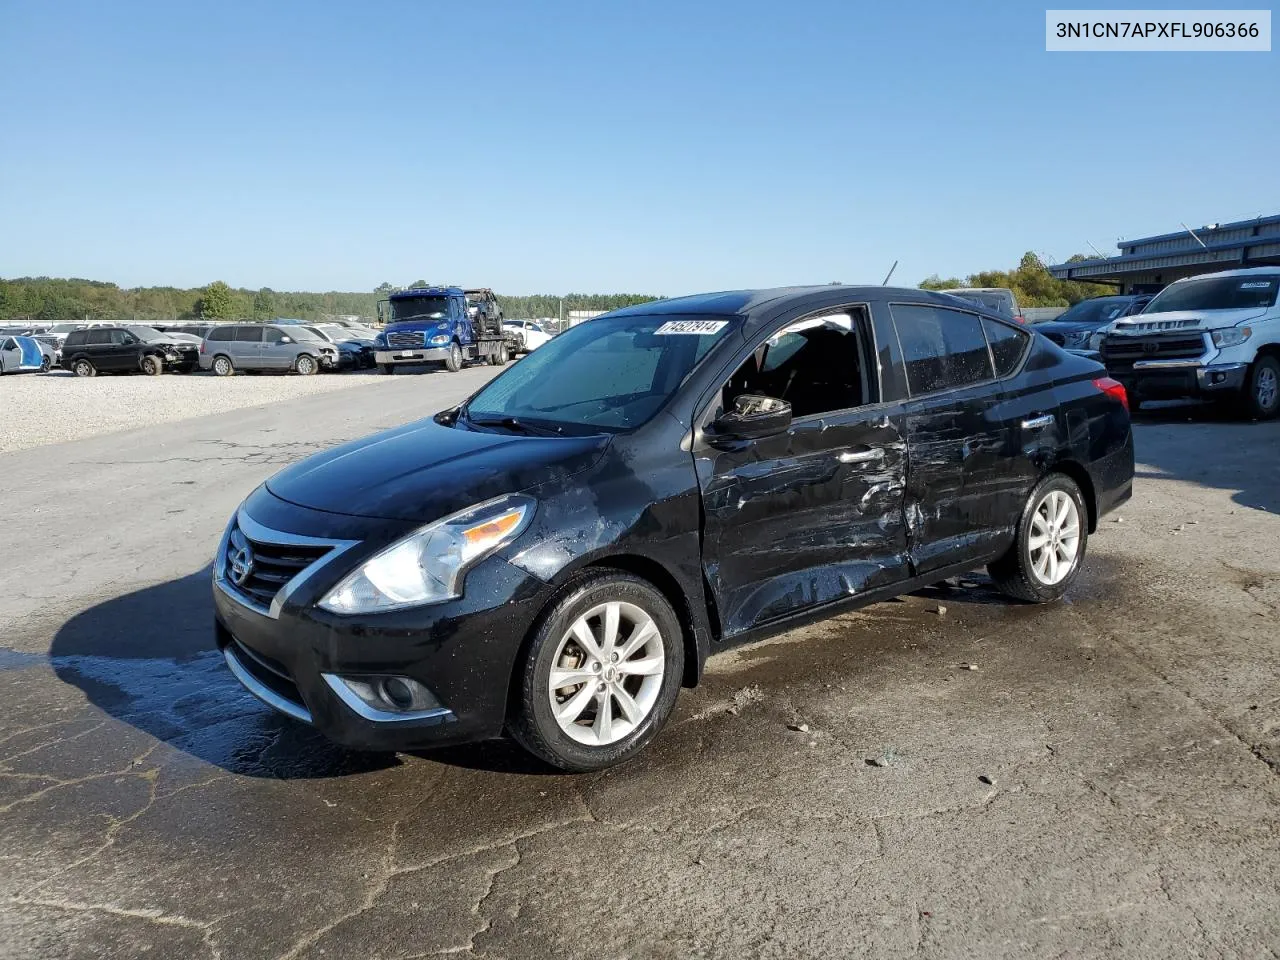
[
  {"x": 987, "y": 779},
  {"x": 798, "y": 727},
  {"x": 941, "y": 611}
]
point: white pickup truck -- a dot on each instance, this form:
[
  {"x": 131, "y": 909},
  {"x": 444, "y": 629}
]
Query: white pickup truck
[{"x": 1212, "y": 336}]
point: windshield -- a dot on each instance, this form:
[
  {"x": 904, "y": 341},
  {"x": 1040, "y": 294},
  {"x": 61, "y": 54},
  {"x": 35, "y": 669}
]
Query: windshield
[
  {"x": 147, "y": 334},
  {"x": 419, "y": 308},
  {"x": 1217, "y": 293},
  {"x": 1094, "y": 311},
  {"x": 607, "y": 374},
  {"x": 998, "y": 302},
  {"x": 64, "y": 327}
]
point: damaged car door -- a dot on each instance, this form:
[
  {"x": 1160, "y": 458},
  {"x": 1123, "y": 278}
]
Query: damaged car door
[
  {"x": 801, "y": 471},
  {"x": 963, "y": 496}
]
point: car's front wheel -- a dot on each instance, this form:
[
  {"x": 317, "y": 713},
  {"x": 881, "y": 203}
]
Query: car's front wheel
[
  {"x": 453, "y": 363},
  {"x": 1262, "y": 389},
  {"x": 306, "y": 365},
  {"x": 1053, "y": 532},
  {"x": 152, "y": 366},
  {"x": 601, "y": 673}
]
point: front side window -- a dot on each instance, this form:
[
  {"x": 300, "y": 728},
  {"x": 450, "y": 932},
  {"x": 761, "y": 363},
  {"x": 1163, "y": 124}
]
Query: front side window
[
  {"x": 272, "y": 335},
  {"x": 1218, "y": 293},
  {"x": 120, "y": 338},
  {"x": 942, "y": 349},
  {"x": 816, "y": 365},
  {"x": 611, "y": 374}
]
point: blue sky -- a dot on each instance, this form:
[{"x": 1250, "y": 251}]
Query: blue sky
[{"x": 661, "y": 147}]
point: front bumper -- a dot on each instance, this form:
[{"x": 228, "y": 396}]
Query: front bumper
[
  {"x": 415, "y": 355},
  {"x": 293, "y": 655},
  {"x": 1172, "y": 380}
]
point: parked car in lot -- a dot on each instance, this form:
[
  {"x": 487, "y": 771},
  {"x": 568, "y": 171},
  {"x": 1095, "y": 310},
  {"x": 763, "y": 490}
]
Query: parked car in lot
[
  {"x": 529, "y": 334},
  {"x": 354, "y": 352},
  {"x": 1076, "y": 328},
  {"x": 999, "y": 300},
  {"x": 19, "y": 354},
  {"x": 1215, "y": 336},
  {"x": 558, "y": 554},
  {"x": 125, "y": 349},
  {"x": 266, "y": 346}
]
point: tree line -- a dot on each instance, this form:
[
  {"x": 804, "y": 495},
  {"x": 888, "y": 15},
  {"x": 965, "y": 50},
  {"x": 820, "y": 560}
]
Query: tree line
[
  {"x": 1031, "y": 282},
  {"x": 48, "y": 300}
]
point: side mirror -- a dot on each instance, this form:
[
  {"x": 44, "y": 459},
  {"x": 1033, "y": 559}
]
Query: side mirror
[
  {"x": 752, "y": 418},
  {"x": 286, "y": 339}
]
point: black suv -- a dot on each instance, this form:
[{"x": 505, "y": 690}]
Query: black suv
[{"x": 126, "y": 350}]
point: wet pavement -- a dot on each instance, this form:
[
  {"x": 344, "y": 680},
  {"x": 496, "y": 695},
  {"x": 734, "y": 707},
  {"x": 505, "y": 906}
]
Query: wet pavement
[{"x": 949, "y": 775}]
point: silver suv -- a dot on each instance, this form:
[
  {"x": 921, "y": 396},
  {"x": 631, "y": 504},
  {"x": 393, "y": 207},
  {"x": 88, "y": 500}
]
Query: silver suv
[{"x": 264, "y": 346}]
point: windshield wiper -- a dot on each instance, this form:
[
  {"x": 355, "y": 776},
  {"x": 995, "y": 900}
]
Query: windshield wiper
[{"x": 511, "y": 423}]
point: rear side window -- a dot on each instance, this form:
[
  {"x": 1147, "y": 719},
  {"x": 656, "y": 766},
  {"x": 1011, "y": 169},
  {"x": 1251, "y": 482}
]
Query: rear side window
[
  {"x": 249, "y": 334},
  {"x": 1007, "y": 345},
  {"x": 221, "y": 333},
  {"x": 76, "y": 338},
  {"x": 942, "y": 349},
  {"x": 99, "y": 336}
]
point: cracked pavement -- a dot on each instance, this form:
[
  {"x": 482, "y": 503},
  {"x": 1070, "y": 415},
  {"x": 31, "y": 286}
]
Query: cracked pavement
[{"x": 1103, "y": 784}]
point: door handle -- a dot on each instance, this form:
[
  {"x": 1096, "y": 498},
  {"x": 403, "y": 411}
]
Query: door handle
[
  {"x": 1035, "y": 423},
  {"x": 865, "y": 455}
]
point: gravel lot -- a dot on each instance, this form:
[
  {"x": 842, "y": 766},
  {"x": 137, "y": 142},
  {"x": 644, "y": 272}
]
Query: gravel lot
[{"x": 56, "y": 407}]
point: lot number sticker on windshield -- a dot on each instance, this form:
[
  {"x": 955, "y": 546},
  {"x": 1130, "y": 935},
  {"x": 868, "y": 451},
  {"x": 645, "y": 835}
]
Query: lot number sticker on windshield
[
  {"x": 1256, "y": 285},
  {"x": 697, "y": 328}
]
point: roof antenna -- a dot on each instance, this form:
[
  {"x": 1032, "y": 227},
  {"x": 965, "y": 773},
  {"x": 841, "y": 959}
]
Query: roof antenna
[
  {"x": 1193, "y": 236},
  {"x": 1101, "y": 255},
  {"x": 885, "y": 281}
]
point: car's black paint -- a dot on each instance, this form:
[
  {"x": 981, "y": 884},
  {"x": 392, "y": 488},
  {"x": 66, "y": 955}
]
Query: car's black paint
[{"x": 745, "y": 538}]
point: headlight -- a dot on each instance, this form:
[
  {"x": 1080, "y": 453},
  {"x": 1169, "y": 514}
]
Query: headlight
[
  {"x": 430, "y": 565},
  {"x": 440, "y": 339},
  {"x": 380, "y": 340},
  {"x": 1230, "y": 336}
]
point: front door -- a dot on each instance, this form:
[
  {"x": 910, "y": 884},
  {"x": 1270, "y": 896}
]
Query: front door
[
  {"x": 814, "y": 515},
  {"x": 275, "y": 354},
  {"x": 963, "y": 496}
]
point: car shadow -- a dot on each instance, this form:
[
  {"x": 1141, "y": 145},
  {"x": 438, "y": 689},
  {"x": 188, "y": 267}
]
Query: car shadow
[{"x": 1170, "y": 443}]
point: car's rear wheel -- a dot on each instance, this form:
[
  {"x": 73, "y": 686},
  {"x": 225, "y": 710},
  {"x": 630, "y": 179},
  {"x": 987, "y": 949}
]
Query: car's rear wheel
[
  {"x": 1046, "y": 555},
  {"x": 83, "y": 368},
  {"x": 306, "y": 365},
  {"x": 152, "y": 366},
  {"x": 1262, "y": 389},
  {"x": 45, "y": 364},
  {"x": 453, "y": 363},
  {"x": 601, "y": 673},
  {"x": 222, "y": 366}
]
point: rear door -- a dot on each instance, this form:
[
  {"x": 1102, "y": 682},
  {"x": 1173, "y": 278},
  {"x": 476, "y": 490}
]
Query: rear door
[
  {"x": 247, "y": 347},
  {"x": 809, "y": 517},
  {"x": 962, "y": 500}
]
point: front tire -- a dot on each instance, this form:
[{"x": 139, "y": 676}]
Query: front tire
[
  {"x": 152, "y": 366},
  {"x": 387, "y": 368},
  {"x": 83, "y": 368},
  {"x": 1049, "y": 548},
  {"x": 453, "y": 363},
  {"x": 306, "y": 365},
  {"x": 600, "y": 675},
  {"x": 1262, "y": 390}
]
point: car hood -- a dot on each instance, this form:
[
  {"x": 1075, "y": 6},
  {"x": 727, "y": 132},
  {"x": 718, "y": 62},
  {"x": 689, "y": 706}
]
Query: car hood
[
  {"x": 1068, "y": 326},
  {"x": 1185, "y": 320},
  {"x": 423, "y": 471}
]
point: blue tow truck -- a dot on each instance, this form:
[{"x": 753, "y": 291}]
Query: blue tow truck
[{"x": 441, "y": 325}]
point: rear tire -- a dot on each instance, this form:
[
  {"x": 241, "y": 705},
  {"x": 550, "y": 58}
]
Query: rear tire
[
  {"x": 1052, "y": 531},
  {"x": 83, "y": 368},
  {"x": 152, "y": 366},
  {"x": 222, "y": 366},
  {"x": 453, "y": 363},
  {"x": 614, "y": 711},
  {"x": 502, "y": 355},
  {"x": 1261, "y": 397}
]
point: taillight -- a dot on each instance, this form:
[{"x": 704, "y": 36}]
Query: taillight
[
  {"x": 202, "y": 346},
  {"x": 1114, "y": 389}
]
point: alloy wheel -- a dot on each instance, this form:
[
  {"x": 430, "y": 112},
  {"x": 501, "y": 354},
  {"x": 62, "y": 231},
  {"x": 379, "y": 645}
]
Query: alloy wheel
[
  {"x": 1266, "y": 388},
  {"x": 1054, "y": 543},
  {"x": 607, "y": 673}
]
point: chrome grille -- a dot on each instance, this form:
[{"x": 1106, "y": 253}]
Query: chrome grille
[
  {"x": 1125, "y": 351},
  {"x": 259, "y": 570},
  {"x": 407, "y": 339}
]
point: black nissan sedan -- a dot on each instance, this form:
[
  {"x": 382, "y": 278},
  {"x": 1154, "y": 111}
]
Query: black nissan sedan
[{"x": 555, "y": 557}]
